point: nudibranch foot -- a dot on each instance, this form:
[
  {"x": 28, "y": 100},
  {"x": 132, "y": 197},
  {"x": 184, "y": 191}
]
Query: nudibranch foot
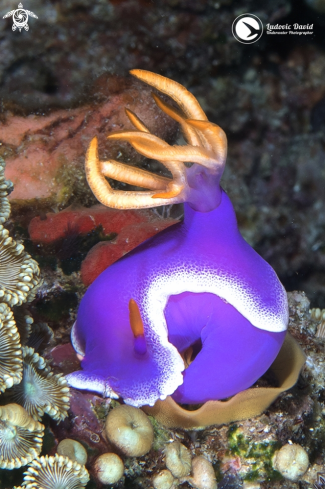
[
  {"x": 217, "y": 372},
  {"x": 246, "y": 404}
]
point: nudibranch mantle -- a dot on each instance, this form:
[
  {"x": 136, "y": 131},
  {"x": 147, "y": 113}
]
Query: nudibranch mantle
[{"x": 197, "y": 286}]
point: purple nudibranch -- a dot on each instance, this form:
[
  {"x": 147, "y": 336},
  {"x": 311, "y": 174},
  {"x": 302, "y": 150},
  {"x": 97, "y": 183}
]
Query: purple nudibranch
[{"x": 198, "y": 283}]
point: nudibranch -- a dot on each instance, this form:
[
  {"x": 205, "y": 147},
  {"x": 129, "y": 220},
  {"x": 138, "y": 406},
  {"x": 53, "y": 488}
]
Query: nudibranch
[{"x": 194, "y": 312}]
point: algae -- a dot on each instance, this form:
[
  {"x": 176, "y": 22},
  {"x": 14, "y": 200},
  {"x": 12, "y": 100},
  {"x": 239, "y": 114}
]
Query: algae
[
  {"x": 161, "y": 434},
  {"x": 257, "y": 454}
]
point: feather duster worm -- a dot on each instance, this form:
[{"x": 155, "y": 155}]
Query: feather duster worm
[{"x": 196, "y": 295}]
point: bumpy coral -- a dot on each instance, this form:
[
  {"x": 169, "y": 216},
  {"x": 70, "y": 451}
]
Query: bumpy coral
[
  {"x": 291, "y": 461},
  {"x": 178, "y": 459},
  {"x": 73, "y": 450},
  {"x": 41, "y": 391},
  {"x": 55, "y": 472},
  {"x": 19, "y": 273},
  {"x": 21, "y": 437},
  {"x": 163, "y": 480},
  {"x": 130, "y": 430},
  {"x": 109, "y": 468},
  {"x": 203, "y": 474},
  {"x": 10, "y": 350}
]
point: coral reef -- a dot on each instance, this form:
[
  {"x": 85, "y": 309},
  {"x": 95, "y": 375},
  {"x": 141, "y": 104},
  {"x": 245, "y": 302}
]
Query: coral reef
[
  {"x": 19, "y": 273},
  {"x": 246, "y": 458},
  {"x": 241, "y": 454},
  {"x": 49, "y": 472},
  {"x": 269, "y": 98},
  {"x": 40, "y": 391},
  {"x": 86, "y": 422},
  {"x": 270, "y": 101},
  {"x": 21, "y": 437},
  {"x": 10, "y": 350}
]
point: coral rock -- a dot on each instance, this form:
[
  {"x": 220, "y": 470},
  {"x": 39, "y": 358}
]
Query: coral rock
[
  {"x": 130, "y": 430},
  {"x": 203, "y": 474},
  {"x": 163, "y": 480},
  {"x": 73, "y": 450},
  {"x": 19, "y": 273},
  {"x": 109, "y": 468},
  {"x": 178, "y": 459}
]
